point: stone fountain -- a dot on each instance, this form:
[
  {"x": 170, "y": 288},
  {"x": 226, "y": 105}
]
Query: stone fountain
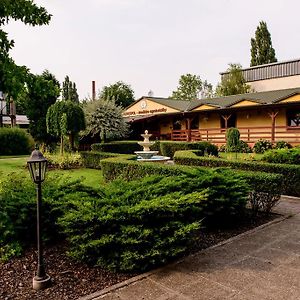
[{"x": 147, "y": 154}]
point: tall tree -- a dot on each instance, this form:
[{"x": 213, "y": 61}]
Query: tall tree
[
  {"x": 233, "y": 82},
  {"x": 120, "y": 92},
  {"x": 191, "y": 87},
  {"x": 42, "y": 91},
  {"x": 65, "y": 118},
  {"x": 12, "y": 77},
  {"x": 105, "y": 118},
  {"x": 69, "y": 90},
  {"x": 262, "y": 51}
]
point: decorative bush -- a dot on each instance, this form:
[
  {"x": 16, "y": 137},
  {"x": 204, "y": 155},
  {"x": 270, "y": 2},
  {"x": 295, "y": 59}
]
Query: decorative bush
[
  {"x": 64, "y": 162},
  {"x": 261, "y": 146},
  {"x": 142, "y": 224},
  {"x": 290, "y": 178},
  {"x": 282, "y": 145},
  {"x": 232, "y": 139},
  {"x": 168, "y": 148},
  {"x": 15, "y": 141},
  {"x": 243, "y": 147},
  {"x": 283, "y": 156},
  {"x": 91, "y": 159},
  {"x": 18, "y": 209},
  {"x": 123, "y": 147}
]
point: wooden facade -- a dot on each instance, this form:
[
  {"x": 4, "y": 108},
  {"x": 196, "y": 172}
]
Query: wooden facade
[{"x": 273, "y": 115}]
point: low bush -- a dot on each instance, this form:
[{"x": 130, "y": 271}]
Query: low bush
[
  {"x": 290, "y": 178},
  {"x": 141, "y": 224},
  {"x": 64, "y": 162},
  {"x": 243, "y": 147},
  {"x": 282, "y": 156},
  {"x": 262, "y": 145},
  {"x": 92, "y": 159},
  {"x": 282, "y": 145},
  {"x": 18, "y": 209},
  {"x": 168, "y": 148},
  {"x": 15, "y": 141}
]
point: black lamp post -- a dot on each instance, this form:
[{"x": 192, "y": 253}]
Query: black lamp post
[{"x": 37, "y": 165}]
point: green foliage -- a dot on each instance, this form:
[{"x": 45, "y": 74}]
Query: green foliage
[
  {"x": 168, "y": 148},
  {"x": 192, "y": 87},
  {"x": 262, "y": 51},
  {"x": 282, "y": 156},
  {"x": 18, "y": 209},
  {"x": 13, "y": 77},
  {"x": 105, "y": 118},
  {"x": 145, "y": 223},
  {"x": 91, "y": 159},
  {"x": 65, "y": 117},
  {"x": 282, "y": 145},
  {"x": 243, "y": 147},
  {"x": 123, "y": 147},
  {"x": 262, "y": 145},
  {"x": 121, "y": 93},
  {"x": 65, "y": 162},
  {"x": 42, "y": 91},
  {"x": 291, "y": 173},
  {"x": 69, "y": 91},
  {"x": 232, "y": 139},
  {"x": 15, "y": 141},
  {"x": 233, "y": 83}
]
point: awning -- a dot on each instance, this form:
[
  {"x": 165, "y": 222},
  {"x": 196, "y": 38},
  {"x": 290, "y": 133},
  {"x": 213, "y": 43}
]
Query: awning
[{"x": 133, "y": 119}]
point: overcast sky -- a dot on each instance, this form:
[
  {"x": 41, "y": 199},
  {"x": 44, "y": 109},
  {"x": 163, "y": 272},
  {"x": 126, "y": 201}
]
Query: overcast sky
[{"x": 150, "y": 43}]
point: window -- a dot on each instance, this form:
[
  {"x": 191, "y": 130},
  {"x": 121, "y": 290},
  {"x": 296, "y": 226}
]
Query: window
[
  {"x": 231, "y": 122},
  {"x": 293, "y": 118}
]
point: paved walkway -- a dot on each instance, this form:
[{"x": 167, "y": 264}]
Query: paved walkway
[{"x": 264, "y": 264}]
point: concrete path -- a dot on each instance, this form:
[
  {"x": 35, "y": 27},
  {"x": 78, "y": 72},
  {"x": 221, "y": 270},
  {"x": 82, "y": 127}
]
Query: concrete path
[{"x": 262, "y": 264}]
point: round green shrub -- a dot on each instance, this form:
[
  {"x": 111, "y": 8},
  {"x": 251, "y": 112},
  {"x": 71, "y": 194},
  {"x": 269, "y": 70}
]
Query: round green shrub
[
  {"x": 262, "y": 145},
  {"x": 15, "y": 141},
  {"x": 283, "y": 145},
  {"x": 243, "y": 147},
  {"x": 283, "y": 156}
]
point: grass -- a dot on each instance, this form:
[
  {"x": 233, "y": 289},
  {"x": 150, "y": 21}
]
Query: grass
[
  {"x": 90, "y": 177},
  {"x": 240, "y": 156}
]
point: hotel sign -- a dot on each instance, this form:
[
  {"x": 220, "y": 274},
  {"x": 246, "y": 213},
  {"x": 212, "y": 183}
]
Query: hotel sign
[{"x": 145, "y": 112}]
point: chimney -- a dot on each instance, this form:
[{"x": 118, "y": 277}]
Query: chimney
[{"x": 93, "y": 90}]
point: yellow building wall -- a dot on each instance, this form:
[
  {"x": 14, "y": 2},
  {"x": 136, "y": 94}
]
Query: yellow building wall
[
  {"x": 210, "y": 120},
  {"x": 294, "y": 98},
  {"x": 204, "y": 107},
  {"x": 259, "y": 118},
  {"x": 245, "y": 103},
  {"x": 151, "y": 108}
]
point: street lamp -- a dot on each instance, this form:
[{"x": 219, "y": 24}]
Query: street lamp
[{"x": 37, "y": 165}]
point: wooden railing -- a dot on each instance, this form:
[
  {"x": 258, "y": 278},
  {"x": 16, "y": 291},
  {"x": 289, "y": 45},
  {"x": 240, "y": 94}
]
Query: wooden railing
[{"x": 248, "y": 134}]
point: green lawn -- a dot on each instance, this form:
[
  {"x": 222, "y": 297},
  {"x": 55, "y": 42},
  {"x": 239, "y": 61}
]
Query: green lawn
[
  {"x": 92, "y": 177},
  {"x": 240, "y": 156}
]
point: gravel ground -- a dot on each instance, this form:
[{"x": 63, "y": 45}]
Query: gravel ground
[{"x": 71, "y": 279}]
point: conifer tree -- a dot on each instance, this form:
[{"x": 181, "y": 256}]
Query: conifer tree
[
  {"x": 262, "y": 51},
  {"x": 69, "y": 91}
]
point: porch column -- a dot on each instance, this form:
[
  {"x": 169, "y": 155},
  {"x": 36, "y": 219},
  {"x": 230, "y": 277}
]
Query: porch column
[
  {"x": 226, "y": 118},
  {"x": 188, "y": 127},
  {"x": 273, "y": 116}
]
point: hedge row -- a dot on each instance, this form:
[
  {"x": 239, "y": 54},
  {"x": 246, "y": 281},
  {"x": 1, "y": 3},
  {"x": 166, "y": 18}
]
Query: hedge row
[
  {"x": 290, "y": 178},
  {"x": 92, "y": 159},
  {"x": 125, "y": 167},
  {"x": 15, "y": 141},
  {"x": 168, "y": 148}
]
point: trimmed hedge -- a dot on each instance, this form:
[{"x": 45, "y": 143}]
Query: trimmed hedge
[
  {"x": 168, "y": 148},
  {"x": 92, "y": 159},
  {"x": 282, "y": 156},
  {"x": 290, "y": 178},
  {"x": 125, "y": 167},
  {"x": 15, "y": 141}
]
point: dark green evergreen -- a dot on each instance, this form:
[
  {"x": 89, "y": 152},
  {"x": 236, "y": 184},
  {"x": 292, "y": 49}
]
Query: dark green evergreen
[
  {"x": 262, "y": 51},
  {"x": 69, "y": 91}
]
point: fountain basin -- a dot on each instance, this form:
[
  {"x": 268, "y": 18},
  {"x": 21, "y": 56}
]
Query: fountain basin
[
  {"x": 154, "y": 158},
  {"x": 146, "y": 154}
]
